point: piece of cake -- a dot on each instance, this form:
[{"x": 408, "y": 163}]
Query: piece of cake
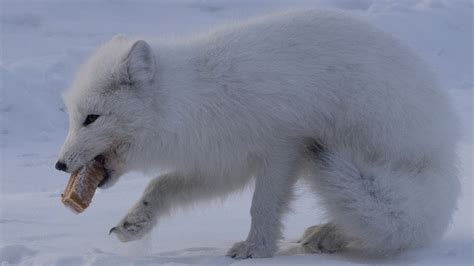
[{"x": 81, "y": 187}]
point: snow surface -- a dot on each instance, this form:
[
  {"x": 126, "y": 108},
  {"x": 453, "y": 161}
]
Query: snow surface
[{"x": 44, "y": 42}]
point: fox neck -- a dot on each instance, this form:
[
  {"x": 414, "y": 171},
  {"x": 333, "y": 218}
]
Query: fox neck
[{"x": 168, "y": 144}]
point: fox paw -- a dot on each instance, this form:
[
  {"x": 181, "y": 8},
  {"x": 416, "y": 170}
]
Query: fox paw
[
  {"x": 322, "y": 239},
  {"x": 246, "y": 250},
  {"x": 137, "y": 223}
]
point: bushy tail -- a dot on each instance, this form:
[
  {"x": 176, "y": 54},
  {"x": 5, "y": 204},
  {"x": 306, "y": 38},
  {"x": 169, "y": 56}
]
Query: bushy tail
[{"x": 384, "y": 208}]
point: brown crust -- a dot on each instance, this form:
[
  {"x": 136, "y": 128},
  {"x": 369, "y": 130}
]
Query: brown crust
[{"x": 81, "y": 187}]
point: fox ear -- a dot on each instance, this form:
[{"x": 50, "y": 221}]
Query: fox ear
[{"x": 139, "y": 64}]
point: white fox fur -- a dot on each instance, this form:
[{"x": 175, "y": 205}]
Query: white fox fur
[{"x": 313, "y": 94}]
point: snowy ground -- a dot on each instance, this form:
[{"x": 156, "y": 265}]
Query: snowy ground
[{"x": 42, "y": 44}]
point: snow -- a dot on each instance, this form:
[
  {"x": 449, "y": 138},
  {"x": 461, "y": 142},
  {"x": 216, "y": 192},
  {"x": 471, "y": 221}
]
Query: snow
[{"x": 44, "y": 42}]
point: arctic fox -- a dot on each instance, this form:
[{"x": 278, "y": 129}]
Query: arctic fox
[{"x": 313, "y": 95}]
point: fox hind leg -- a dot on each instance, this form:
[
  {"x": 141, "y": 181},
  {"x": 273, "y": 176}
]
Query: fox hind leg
[{"x": 323, "y": 238}]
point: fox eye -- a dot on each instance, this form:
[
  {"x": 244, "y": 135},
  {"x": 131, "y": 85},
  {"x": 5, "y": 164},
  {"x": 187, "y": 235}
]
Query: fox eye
[{"x": 90, "y": 119}]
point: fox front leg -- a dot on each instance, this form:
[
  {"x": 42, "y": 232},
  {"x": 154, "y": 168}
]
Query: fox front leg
[
  {"x": 273, "y": 190},
  {"x": 162, "y": 194}
]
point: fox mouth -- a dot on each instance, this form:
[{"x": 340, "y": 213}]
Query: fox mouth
[{"x": 107, "y": 176}]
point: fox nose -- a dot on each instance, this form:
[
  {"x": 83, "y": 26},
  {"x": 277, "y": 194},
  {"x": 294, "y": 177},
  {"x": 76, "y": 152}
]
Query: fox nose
[{"x": 61, "y": 166}]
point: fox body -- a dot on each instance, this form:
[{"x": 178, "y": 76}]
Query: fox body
[{"x": 310, "y": 95}]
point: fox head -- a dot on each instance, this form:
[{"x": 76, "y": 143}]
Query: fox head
[{"x": 108, "y": 94}]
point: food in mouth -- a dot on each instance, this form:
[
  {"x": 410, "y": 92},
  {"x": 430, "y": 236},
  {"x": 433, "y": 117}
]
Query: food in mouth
[{"x": 82, "y": 186}]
